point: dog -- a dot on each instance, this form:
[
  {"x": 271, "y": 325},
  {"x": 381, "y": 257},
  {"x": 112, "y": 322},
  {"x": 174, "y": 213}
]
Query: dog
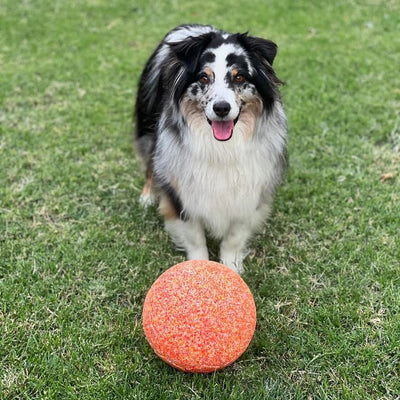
[{"x": 212, "y": 133}]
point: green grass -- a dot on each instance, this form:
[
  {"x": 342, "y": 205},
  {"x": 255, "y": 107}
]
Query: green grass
[{"x": 78, "y": 254}]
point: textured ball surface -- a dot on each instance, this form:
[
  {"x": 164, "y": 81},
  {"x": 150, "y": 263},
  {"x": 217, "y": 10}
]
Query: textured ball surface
[{"x": 199, "y": 316}]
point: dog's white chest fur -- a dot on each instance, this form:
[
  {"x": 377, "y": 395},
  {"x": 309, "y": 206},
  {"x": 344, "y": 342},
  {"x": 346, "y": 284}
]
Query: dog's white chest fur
[{"x": 221, "y": 191}]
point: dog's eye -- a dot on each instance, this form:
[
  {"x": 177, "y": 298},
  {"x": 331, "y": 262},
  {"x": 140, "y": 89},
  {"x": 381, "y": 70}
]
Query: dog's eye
[
  {"x": 204, "y": 79},
  {"x": 239, "y": 78}
]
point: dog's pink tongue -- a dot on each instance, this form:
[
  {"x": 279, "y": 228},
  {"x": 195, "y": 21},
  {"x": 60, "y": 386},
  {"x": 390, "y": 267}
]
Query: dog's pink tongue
[{"x": 222, "y": 129}]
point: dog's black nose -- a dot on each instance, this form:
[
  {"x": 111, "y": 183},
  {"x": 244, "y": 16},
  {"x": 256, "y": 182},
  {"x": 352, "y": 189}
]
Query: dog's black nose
[{"x": 222, "y": 108}]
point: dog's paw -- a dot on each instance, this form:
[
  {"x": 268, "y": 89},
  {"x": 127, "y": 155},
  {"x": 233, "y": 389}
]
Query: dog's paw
[
  {"x": 147, "y": 199},
  {"x": 234, "y": 264}
]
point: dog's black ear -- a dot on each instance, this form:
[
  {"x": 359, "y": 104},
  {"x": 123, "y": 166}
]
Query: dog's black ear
[
  {"x": 189, "y": 50},
  {"x": 182, "y": 65},
  {"x": 264, "y": 49},
  {"x": 262, "y": 53}
]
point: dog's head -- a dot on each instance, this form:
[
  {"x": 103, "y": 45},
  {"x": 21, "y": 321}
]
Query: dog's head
[{"x": 223, "y": 78}]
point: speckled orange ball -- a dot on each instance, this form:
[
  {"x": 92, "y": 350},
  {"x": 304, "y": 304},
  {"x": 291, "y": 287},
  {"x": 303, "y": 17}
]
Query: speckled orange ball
[{"x": 199, "y": 316}]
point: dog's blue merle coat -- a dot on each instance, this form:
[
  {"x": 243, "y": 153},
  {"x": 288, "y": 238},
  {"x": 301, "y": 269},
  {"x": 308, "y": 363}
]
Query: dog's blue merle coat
[{"x": 211, "y": 130}]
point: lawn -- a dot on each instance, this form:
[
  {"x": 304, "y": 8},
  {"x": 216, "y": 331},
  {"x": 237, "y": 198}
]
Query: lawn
[{"x": 78, "y": 253}]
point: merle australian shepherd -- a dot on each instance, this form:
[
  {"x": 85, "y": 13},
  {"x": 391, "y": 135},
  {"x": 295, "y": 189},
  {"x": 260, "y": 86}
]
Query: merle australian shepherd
[{"x": 211, "y": 131}]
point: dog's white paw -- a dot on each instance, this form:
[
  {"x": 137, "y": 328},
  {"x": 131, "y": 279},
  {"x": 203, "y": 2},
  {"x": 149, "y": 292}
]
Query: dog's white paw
[
  {"x": 147, "y": 199},
  {"x": 234, "y": 264}
]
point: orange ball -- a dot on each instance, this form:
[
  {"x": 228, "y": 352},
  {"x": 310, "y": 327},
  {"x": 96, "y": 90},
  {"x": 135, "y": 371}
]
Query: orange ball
[{"x": 199, "y": 316}]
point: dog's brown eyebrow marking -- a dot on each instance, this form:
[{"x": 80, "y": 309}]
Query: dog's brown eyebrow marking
[{"x": 209, "y": 72}]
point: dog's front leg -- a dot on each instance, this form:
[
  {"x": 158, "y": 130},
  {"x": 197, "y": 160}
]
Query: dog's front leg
[
  {"x": 189, "y": 236},
  {"x": 233, "y": 246}
]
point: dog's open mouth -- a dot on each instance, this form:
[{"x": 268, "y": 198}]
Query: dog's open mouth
[{"x": 223, "y": 129}]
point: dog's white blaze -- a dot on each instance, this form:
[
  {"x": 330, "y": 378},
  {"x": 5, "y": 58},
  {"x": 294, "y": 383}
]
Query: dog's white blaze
[{"x": 220, "y": 90}]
